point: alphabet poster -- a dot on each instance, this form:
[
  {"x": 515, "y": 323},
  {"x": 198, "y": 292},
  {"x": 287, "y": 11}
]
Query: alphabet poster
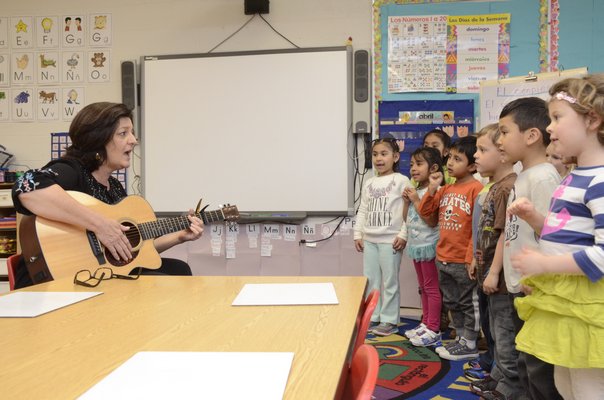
[{"x": 47, "y": 60}]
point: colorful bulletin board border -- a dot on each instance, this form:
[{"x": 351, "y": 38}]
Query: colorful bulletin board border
[
  {"x": 549, "y": 12},
  {"x": 58, "y": 145}
]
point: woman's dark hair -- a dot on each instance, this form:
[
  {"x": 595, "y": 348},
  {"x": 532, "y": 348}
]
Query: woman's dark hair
[
  {"x": 430, "y": 155},
  {"x": 91, "y": 129},
  {"x": 391, "y": 142}
]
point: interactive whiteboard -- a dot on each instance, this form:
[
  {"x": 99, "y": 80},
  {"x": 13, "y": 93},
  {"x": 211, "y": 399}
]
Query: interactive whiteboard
[{"x": 264, "y": 130}]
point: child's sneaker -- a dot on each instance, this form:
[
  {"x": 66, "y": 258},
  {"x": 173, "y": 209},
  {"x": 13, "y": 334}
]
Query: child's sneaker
[
  {"x": 475, "y": 374},
  {"x": 385, "y": 329},
  {"x": 459, "y": 352},
  {"x": 474, "y": 364},
  {"x": 426, "y": 338},
  {"x": 445, "y": 348},
  {"x": 372, "y": 325},
  {"x": 485, "y": 385},
  {"x": 411, "y": 333}
]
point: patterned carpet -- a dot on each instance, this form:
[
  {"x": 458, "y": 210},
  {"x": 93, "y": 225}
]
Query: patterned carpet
[{"x": 409, "y": 372}]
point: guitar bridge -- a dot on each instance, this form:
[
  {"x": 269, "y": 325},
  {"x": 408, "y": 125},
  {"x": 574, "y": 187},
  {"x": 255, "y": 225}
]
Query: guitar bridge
[{"x": 96, "y": 248}]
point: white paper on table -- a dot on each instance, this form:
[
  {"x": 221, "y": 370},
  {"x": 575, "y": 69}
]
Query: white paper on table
[
  {"x": 32, "y": 304},
  {"x": 261, "y": 294},
  {"x": 197, "y": 375}
]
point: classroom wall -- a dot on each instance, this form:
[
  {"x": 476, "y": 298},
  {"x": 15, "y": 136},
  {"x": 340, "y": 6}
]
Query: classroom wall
[
  {"x": 581, "y": 33},
  {"x": 147, "y": 27}
]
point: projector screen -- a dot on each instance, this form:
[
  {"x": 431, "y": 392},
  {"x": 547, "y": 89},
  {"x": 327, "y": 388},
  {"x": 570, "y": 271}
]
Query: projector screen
[{"x": 268, "y": 131}]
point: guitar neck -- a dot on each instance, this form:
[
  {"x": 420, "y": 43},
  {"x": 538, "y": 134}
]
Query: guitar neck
[{"x": 163, "y": 226}]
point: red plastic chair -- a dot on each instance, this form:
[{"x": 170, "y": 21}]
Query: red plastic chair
[
  {"x": 368, "y": 308},
  {"x": 11, "y": 266},
  {"x": 363, "y": 374}
]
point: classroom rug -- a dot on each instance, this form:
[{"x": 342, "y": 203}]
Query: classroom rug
[{"x": 409, "y": 372}]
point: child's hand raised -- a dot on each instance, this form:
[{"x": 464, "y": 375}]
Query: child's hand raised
[
  {"x": 435, "y": 178},
  {"x": 522, "y": 207},
  {"x": 411, "y": 194}
]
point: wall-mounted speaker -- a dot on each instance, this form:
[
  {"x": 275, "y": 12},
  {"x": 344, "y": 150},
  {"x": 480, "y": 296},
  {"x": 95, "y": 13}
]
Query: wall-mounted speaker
[
  {"x": 361, "y": 108},
  {"x": 129, "y": 86},
  {"x": 255, "y": 7}
]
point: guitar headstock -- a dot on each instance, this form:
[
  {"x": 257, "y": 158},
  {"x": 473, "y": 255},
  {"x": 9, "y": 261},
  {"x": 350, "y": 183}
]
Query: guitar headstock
[{"x": 230, "y": 213}]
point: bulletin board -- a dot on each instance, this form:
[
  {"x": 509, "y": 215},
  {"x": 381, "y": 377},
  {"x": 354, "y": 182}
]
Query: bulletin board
[
  {"x": 409, "y": 121},
  {"x": 525, "y": 29}
]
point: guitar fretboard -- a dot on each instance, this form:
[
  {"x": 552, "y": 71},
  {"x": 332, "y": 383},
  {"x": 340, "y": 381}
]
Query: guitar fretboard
[{"x": 163, "y": 226}]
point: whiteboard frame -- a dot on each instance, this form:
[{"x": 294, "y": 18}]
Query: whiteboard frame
[{"x": 345, "y": 200}]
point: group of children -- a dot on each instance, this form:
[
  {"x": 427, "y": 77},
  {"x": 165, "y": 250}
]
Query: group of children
[{"x": 521, "y": 257}]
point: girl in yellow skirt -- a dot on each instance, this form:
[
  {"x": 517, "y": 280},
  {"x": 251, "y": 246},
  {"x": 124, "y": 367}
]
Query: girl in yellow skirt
[{"x": 564, "y": 313}]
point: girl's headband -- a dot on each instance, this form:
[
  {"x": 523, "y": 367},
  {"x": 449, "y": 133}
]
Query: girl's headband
[{"x": 564, "y": 96}]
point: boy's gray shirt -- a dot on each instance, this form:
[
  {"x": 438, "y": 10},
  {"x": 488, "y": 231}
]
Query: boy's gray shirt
[{"x": 536, "y": 184}]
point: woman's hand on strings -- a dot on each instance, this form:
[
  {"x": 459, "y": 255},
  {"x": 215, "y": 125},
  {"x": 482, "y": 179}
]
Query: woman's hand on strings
[{"x": 112, "y": 235}]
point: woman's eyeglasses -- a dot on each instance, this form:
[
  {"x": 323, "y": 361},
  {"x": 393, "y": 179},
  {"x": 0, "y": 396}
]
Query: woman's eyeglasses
[{"x": 93, "y": 279}]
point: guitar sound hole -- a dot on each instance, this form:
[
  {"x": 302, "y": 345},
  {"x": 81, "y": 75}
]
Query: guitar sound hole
[{"x": 134, "y": 237}]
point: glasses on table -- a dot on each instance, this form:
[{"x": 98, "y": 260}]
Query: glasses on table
[{"x": 87, "y": 278}]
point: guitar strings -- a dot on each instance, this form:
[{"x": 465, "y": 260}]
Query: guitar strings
[
  {"x": 151, "y": 226},
  {"x": 182, "y": 222}
]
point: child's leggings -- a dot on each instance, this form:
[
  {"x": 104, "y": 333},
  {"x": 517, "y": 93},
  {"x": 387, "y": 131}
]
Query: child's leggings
[
  {"x": 427, "y": 278},
  {"x": 579, "y": 383},
  {"x": 381, "y": 265}
]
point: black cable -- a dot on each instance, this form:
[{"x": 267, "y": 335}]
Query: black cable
[
  {"x": 278, "y": 33},
  {"x": 233, "y": 34},
  {"x": 359, "y": 176},
  {"x": 304, "y": 241}
]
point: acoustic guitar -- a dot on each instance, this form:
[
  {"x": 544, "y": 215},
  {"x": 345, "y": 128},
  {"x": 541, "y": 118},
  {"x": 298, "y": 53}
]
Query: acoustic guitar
[{"x": 53, "y": 249}]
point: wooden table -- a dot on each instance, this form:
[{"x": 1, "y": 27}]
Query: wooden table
[{"x": 63, "y": 353}]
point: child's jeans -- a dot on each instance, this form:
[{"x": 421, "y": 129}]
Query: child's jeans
[{"x": 460, "y": 296}]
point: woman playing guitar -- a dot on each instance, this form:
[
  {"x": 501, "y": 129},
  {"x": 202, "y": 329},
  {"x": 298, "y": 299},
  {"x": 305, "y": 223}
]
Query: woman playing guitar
[{"x": 103, "y": 140}]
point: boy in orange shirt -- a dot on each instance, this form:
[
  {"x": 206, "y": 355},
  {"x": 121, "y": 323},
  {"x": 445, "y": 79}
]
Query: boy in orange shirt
[{"x": 454, "y": 203}]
